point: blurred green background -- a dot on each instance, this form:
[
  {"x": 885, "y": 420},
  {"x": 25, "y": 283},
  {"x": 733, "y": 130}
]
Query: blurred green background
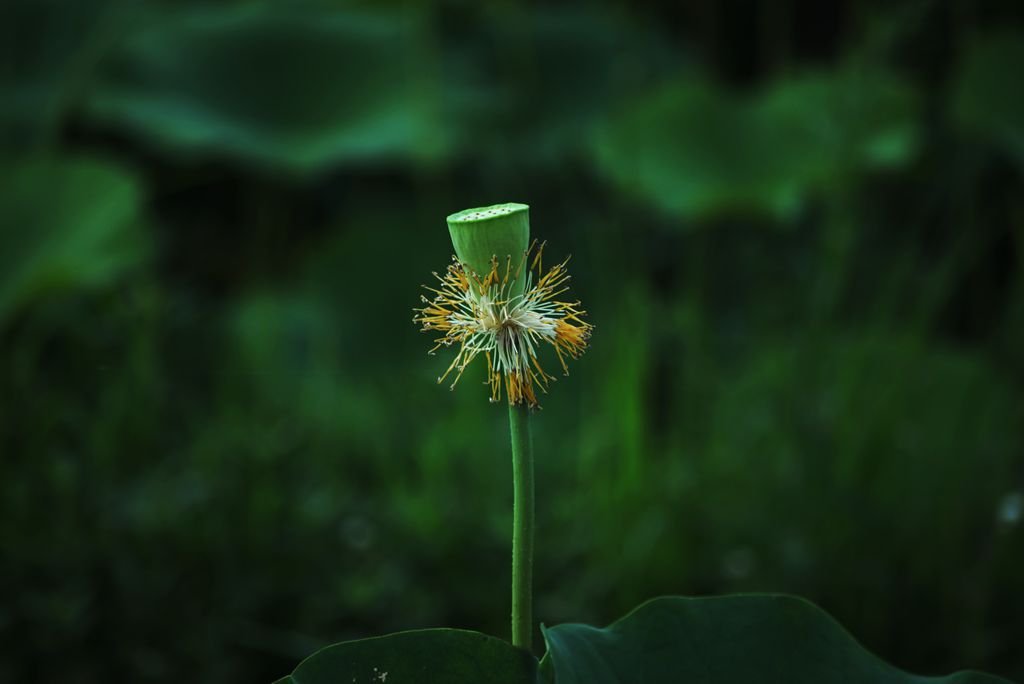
[{"x": 798, "y": 227}]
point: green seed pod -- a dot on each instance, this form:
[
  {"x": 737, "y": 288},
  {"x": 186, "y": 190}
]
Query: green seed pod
[{"x": 501, "y": 230}]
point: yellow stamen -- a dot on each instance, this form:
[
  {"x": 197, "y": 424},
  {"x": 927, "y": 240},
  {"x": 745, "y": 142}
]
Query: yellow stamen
[{"x": 480, "y": 314}]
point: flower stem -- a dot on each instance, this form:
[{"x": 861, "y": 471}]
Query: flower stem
[{"x": 522, "y": 526}]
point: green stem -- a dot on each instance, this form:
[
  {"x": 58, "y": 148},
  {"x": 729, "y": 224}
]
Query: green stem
[{"x": 522, "y": 527}]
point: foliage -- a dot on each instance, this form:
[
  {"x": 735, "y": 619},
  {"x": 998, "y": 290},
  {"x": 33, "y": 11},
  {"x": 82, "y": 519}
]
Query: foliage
[
  {"x": 764, "y": 638},
  {"x": 798, "y": 233}
]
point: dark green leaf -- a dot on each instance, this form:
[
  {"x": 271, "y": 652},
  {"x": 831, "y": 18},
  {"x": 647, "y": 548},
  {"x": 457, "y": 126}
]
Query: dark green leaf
[
  {"x": 429, "y": 656},
  {"x": 693, "y": 149},
  {"x": 65, "y": 225},
  {"x": 275, "y": 83},
  {"x": 722, "y": 640}
]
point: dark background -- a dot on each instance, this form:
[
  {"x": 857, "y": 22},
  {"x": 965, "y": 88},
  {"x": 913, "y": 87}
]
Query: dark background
[{"x": 798, "y": 227}]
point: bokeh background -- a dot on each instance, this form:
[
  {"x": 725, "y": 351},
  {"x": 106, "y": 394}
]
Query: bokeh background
[{"x": 798, "y": 227}]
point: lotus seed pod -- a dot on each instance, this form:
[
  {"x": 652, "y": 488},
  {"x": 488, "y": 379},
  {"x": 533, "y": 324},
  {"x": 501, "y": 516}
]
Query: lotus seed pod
[{"x": 501, "y": 231}]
